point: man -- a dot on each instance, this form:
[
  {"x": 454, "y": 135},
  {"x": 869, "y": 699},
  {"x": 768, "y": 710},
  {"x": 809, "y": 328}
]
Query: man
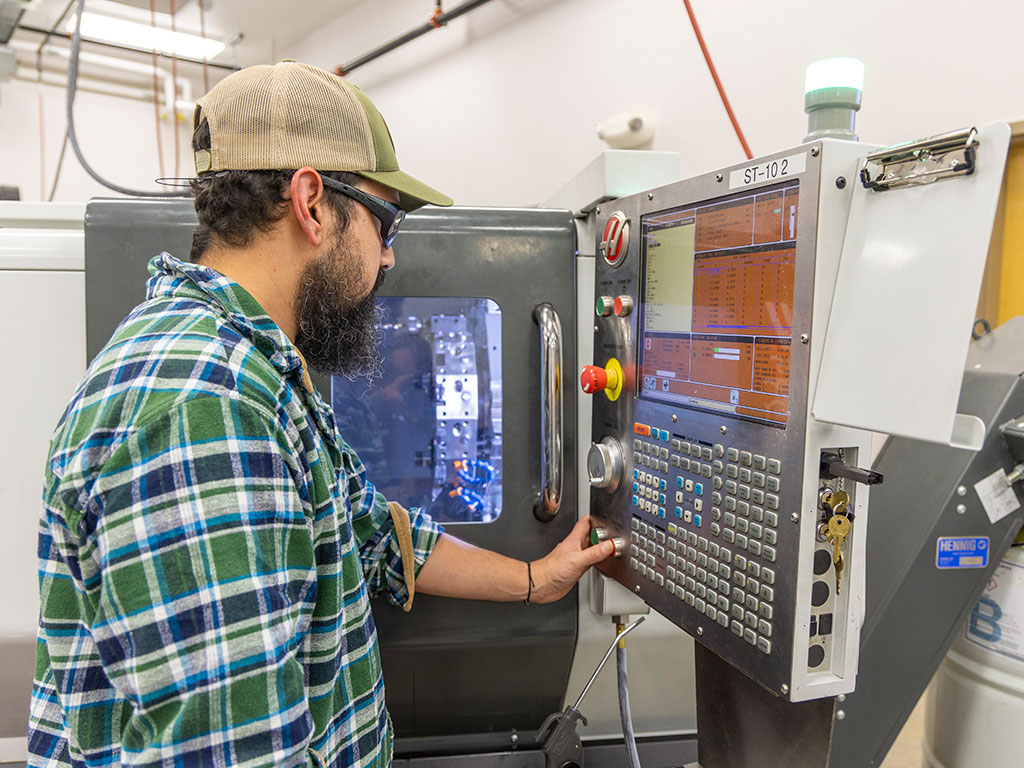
[{"x": 210, "y": 542}]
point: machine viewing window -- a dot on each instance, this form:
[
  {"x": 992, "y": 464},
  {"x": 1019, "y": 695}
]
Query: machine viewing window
[
  {"x": 716, "y": 304},
  {"x": 429, "y": 431}
]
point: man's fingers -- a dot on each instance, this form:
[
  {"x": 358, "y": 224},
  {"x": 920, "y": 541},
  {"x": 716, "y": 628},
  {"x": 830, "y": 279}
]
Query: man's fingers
[
  {"x": 597, "y": 553},
  {"x": 581, "y": 531}
]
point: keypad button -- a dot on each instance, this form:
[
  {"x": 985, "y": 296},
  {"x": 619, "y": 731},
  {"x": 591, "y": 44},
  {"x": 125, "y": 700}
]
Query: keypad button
[
  {"x": 719, "y": 450},
  {"x": 634, "y": 523},
  {"x": 755, "y": 531},
  {"x": 758, "y": 479},
  {"x": 741, "y": 541},
  {"x": 695, "y": 450},
  {"x": 731, "y": 470},
  {"x": 723, "y": 618},
  {"x": 716, "y": 483},
  {"x": 768, "y": 553},
  {"x": 705, "y": 453},
  {"x": 679, "y": 497},
  {"x": 730, "y": 519},
  {"x": 770, "y": 537},
  {"x": 733, "y": 454},
  {"x": 684, "y": 463},
  {"x": 766, "y": 611},
  {"x": 713, "y": 549},
  {"x": 745, "y": 475},
  {"x": 717, "y": 466},
  {"x": 764, "y": 628},
  {"x": 759, "y": 462},
  {"x": 716, "y": 513},
  {"x": 723, "y": 603},
  {"x": 716, "y": 497},
  {"x": 771, "y": 501},
  {"x": 645, "y": 448},
  {"x": 716, "y": 529},
  {"x": 729, "y": 535},
  {"x": 700, "y": 590},
  {"x": 743, "y": 508},
  {"x": 711, "y": 612},
  {"x": 751, "y": 602},
  {"x": 724, "y": 571},
  {"x": 757, "y": 496},
  {"x": 736, "y": 628},
  {"x": 772, "y": 484},
  {"x": 750, "y": 619},
  {"x": 688, "y": 515},
  {"x": 737, "y": 612},
  {"x": 691, "y": 569},
  {"x": 738, "y": 595},
  {"x": 767, "y": 593},
  {"x": 677, "y": 445},
  {"x": 730, "y": 503},
  {"x": 702, "y": 544},
  {"x": 689, "y": 598},
  {"x": 705, "y": 471},
  {"x": 754, "y": 547},
  {"x": 741, "y": 524},
  {"x": 712, "y": 565},
  {"x": 753, "y": 568},
  {"x": 633, "y": 563},
  {"x": 725, "y": 554},
  {"x": 731, "y": 486},
  {"x": 774, "y": 466},
  {"x": 679, "y": 512},
  {"x": 695, "y": 467},
  {"x": 712, "y": 581},
  {"x": 674, "y": 461},
  {"x": 757, "y": 513},
  {"x": 691, "y": 539},
  {"x": 750, "y": 636},
  {"x": 753, "y": 585},
  {"x": 664, "y": 466},
  {"x": 691, "y": 584},
  {"x": 740, "y": 562},
  {"x": 671, "y": 557},
  {"x": 764, "y": 645},
  {"x": 659, "y": 579},
  {"x": 698, "y": 488},
  {"x": 660, "y": 551},
  {"x": 637, "y": 458},
  {"x": 746, "y": 458},
  {"x": 684, "y": 447},
  {"x": 663, "y": 453},
  {"x": 744, "y": 492},
  {"x": 771, "y": 519}
]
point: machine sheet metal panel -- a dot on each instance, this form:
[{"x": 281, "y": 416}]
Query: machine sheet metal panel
[{"x": 908, "y": 286}]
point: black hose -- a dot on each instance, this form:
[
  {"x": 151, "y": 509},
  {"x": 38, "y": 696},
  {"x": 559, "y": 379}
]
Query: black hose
[
  {"x": 627, "y": 719},
  {"x": 76, "y": 44}
]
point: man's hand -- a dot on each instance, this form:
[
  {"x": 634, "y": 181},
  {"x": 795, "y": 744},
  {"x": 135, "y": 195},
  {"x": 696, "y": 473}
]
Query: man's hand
[{"x": 556, "y": 573}]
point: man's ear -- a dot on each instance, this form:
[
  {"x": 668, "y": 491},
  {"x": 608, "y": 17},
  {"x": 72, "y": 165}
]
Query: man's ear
[{"x": 308, "y": 198}]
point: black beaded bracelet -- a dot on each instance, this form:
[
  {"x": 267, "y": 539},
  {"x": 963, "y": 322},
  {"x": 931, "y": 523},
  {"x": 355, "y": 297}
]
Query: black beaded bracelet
[{"x": 529, "y": 590}]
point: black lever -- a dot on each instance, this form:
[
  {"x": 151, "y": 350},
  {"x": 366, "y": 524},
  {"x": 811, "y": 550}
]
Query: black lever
[{"x": 833, "y": 466}]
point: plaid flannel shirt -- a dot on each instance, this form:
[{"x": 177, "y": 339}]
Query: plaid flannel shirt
[{"x": 207, "y": 551}]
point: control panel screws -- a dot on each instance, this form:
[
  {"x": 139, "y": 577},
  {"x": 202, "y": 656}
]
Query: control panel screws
[
  {"x": 674, "y": 418},
  {"x": 840, "y": 714},
  {"x": 841, "y": 182},
  {"x": 637, "y": 589},
  {"x": 719, "y": 177},
  {"x": 785, "y": 688},
  {"x": 961, "y": 509},
  {"x": 795, "y": 517},
  {"x": 650, "y": 195},
  {"x": 725, "y": 429},
  {"x": 804, "y": 338},
  {"x": 815, "y": 151},
  {"x": 841, "y": 698},
  {"x": 598, "y": 211},
  {"x": 700, "y": 630},
  {"x": 515, "y": 738},
  {"x": 961, "y": 491}
]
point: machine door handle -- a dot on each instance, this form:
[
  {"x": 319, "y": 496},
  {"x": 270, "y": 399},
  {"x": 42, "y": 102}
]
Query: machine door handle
[{"x": 550, "y": 499}]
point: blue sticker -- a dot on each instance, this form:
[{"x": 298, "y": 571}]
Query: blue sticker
[{"x": 961, "y": 552}]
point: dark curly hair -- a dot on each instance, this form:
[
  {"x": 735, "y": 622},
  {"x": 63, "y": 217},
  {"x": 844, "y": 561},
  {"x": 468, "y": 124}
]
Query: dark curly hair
[{"x": 234, "y": 206}]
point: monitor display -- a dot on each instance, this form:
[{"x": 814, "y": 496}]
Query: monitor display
[{"x": 716, "y": 304}]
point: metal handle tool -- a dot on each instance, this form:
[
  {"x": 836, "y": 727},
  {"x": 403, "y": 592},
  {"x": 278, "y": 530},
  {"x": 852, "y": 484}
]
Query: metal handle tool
[{"x": 559, "y": 741}]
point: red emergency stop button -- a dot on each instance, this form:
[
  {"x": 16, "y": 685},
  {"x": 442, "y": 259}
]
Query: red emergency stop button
[
  {"x": 623, "y": 305},
  {"x": 594, "y": 378}
]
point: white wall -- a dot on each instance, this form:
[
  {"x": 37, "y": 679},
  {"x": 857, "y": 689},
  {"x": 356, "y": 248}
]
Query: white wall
[
  {"x": 499, "y": 107},
  {"x": 117, "y": 136}
]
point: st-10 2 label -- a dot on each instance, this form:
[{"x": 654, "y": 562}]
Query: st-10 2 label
[{"x": 770, "y": 170}]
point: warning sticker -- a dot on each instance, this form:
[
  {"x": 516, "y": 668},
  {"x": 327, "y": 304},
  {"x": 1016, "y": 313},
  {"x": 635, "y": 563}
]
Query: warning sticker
[
  {"x": 997, "y": 496},
  {"x": 997, "y": 621},
  {"x": 961, "y": 552}
]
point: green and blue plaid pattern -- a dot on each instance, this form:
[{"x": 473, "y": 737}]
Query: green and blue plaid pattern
[{"x": 207, "y": 551}]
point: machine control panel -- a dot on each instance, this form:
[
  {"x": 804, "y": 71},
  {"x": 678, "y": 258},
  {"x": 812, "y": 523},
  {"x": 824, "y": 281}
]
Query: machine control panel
[{"x": 735, "y": 531}]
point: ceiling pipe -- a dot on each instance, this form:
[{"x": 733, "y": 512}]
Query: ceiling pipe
[
  {"x": 438, "y": 20},
  {"x": 131, "y": 49}
]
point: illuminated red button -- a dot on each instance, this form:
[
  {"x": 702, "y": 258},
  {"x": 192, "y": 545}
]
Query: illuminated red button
[
  {"x": 642, "y": 429},
  {"x": 623, "y": 305},
  {"x": 594, "y": 378}
]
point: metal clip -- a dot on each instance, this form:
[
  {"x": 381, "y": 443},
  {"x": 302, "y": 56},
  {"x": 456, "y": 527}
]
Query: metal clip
[{"x": 921, "y": 162}]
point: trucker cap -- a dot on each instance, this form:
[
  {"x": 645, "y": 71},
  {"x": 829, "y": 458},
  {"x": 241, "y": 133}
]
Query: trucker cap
[{"x": 292, "y": 115}]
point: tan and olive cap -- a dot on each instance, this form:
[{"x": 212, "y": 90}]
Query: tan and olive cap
[{"x": 291, "y": 115}]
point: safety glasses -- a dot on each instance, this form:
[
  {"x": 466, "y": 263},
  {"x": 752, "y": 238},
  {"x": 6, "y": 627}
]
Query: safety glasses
[{"x": 388, "y": 214}]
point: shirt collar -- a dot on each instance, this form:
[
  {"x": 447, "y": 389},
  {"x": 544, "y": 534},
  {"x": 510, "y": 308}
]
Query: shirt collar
[{"x": 171, "y": 277}]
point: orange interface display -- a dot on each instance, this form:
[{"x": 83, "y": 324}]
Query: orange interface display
[{"x": 716, "y": 310}]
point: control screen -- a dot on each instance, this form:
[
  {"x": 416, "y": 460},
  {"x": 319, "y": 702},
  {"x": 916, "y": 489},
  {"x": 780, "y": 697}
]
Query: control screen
[{"x": 716, "y": 304}]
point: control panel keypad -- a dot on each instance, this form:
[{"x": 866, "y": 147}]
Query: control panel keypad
[{"x": 719, "y": 559}]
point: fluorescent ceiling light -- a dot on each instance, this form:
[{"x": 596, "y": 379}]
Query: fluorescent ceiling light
[
  {"x": 138, "y": 35},
  {"x": 834, "y": 73}
]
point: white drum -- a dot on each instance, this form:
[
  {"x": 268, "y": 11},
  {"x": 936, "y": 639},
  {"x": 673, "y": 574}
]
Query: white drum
[{"x": 976, "y": 701}]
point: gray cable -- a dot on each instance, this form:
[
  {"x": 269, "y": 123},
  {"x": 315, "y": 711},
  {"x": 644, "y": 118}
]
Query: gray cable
[
  {"x": 627, "y": 719},
  {"x": 76, "y": 44}
]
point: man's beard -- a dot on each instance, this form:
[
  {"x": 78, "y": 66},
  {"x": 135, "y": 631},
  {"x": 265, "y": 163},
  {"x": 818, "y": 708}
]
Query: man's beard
[{"x": 337, "y": 333}]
